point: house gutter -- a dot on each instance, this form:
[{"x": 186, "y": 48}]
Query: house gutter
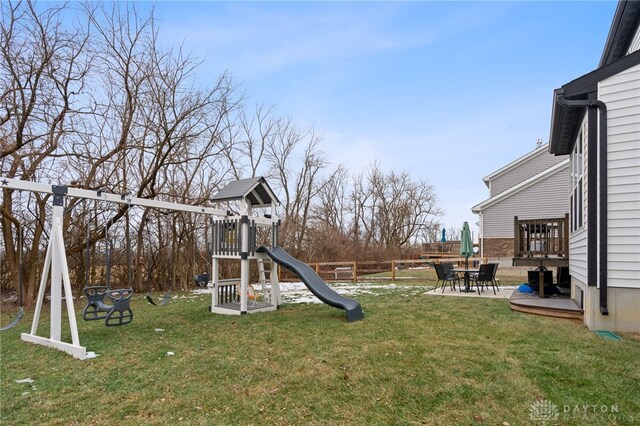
[{"x": 602, "y": 179}]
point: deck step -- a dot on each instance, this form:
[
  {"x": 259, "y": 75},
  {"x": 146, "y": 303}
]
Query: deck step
[{"x": 558, "y": 308}]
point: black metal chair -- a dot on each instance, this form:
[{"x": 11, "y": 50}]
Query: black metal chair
[
  {"x": 494, "y": 279},
  {"x": 485, "y": 277},
  {"x": 451, "y": 274},
  {"x": 445, "y": 274}
]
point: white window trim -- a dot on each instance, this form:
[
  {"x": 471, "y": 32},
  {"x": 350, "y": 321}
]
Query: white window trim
[{"x": 577, "y": 183}]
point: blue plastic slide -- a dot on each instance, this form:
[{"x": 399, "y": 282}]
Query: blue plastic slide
[{"x": 318, "y": 287}]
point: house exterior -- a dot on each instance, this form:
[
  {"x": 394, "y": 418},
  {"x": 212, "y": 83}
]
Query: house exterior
[
  {"x": 596, "y": 123},
  {"x": 532, "y": 187}
]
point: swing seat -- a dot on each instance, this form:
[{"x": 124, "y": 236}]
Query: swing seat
[
  {"x": 165, "y": 299},
  {"x": 96, "y": 309},
  {"x": 201, "y": 280},
  {"x": 120, "y": 313}
]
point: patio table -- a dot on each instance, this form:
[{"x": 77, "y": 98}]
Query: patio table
[{"x": 467, "y": 275}]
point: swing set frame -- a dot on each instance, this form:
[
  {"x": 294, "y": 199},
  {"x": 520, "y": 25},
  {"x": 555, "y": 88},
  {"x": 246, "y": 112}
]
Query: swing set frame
[{"x": 56, "y": 269}]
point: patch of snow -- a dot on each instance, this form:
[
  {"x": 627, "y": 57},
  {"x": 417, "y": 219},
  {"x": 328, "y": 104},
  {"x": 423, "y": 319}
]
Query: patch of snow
[
  {"x": 91, "y": 355},
  {"x": 297, "y": 292},
  {"x": 170, "y": 353},
  {"x": 27, "y": 380},
  {"x": 159, "y": 330}
]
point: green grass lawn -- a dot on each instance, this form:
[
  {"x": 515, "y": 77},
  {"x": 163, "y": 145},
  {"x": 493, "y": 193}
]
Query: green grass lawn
[{"x": 413, "y": 360}]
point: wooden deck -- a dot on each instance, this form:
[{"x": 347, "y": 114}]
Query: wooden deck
[
  {"x": 546, "y": 262},
  {"x": 556, "y": 307}
]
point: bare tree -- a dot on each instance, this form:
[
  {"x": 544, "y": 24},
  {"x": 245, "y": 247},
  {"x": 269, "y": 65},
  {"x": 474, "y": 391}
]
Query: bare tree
[
  {"x": 392, "y": 209},
  {"x": 100, "y": 104},
  {"x": 331, "y": 207},
  {"x": 42, "y": 74},
  {"x": 102, "y": 107},
  {"x": 296, "y": 164}
]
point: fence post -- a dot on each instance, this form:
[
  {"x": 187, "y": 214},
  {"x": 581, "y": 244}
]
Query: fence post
[
  {"x": 317, "y": 268},
  {"x": 393, "y": 270},
  {"x": 355, "y": 271}
]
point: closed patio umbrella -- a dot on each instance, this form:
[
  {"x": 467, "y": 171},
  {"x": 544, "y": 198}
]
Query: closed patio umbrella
[{"x": 466, "y": 244}]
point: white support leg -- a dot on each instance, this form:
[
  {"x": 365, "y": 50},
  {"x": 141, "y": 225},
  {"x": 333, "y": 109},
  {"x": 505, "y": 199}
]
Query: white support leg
[
  {"x": 244, "y": 284},
  {"x": 41, "y": 290},
  {"x": 57, "y": 268},
  {"x": 68, "y": 294},
  {"x": 56, "y": 283}
]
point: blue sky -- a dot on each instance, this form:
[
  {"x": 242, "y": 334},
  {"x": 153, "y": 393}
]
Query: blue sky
[{"x": 431, "y": 88}]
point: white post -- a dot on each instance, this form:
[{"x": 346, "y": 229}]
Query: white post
[
  {"x": 481, "y": 235},
  {"x": 215, "y": 270},
  {"x": 275, "y": 281},
  {"x": 56, "y": 276},
  {"x": 66, "y": 281}
]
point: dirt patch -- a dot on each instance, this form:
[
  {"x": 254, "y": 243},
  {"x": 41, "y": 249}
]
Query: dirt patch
[{"x": 633, "y": 336}]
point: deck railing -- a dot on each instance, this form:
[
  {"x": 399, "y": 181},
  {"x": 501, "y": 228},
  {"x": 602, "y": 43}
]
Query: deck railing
[{"x": 541, "y": 237}]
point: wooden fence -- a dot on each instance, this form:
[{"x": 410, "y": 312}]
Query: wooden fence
[{"x": 374, "y": 270}]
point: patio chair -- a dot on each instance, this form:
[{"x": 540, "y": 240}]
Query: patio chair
[
  {"x": 494, "y": 279},
  {"x": 485, "y": 277},
  {"x": 445, "y": 277},
  {"x": 450, "y": 275}
]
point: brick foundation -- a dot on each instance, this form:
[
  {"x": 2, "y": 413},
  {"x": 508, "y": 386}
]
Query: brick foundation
[{"x": 498, "y": 247}]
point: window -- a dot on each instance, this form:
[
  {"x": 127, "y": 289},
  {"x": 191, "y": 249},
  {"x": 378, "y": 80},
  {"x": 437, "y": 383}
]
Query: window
[{"x": 577, "y": 179}]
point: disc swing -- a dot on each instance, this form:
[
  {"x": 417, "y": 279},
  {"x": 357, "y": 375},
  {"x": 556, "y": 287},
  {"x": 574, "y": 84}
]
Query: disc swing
[
  {"x": 118, "y": 312},
  {"x": 20, "y": 314},
  {"x": 167, "y": 296}
]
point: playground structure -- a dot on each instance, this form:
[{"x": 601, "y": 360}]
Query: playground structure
[
  {"x": 236, "y": 238},
  {"x": 233, "y": 237}
]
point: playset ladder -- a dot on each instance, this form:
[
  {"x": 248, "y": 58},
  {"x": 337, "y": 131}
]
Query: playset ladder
[
  {"x": 264, "y": 277},
  {"x": 268, "y": 279}
]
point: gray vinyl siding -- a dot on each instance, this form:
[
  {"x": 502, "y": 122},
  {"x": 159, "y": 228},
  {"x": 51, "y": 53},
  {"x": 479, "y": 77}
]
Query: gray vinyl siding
[
  {"x": 578, "y": 255},
  {"x": 544, "y": 199},
  {"x": 621, "y": 93},
  {"x": 510, "y": 178},
  {"x": 635, "y": 43}
]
